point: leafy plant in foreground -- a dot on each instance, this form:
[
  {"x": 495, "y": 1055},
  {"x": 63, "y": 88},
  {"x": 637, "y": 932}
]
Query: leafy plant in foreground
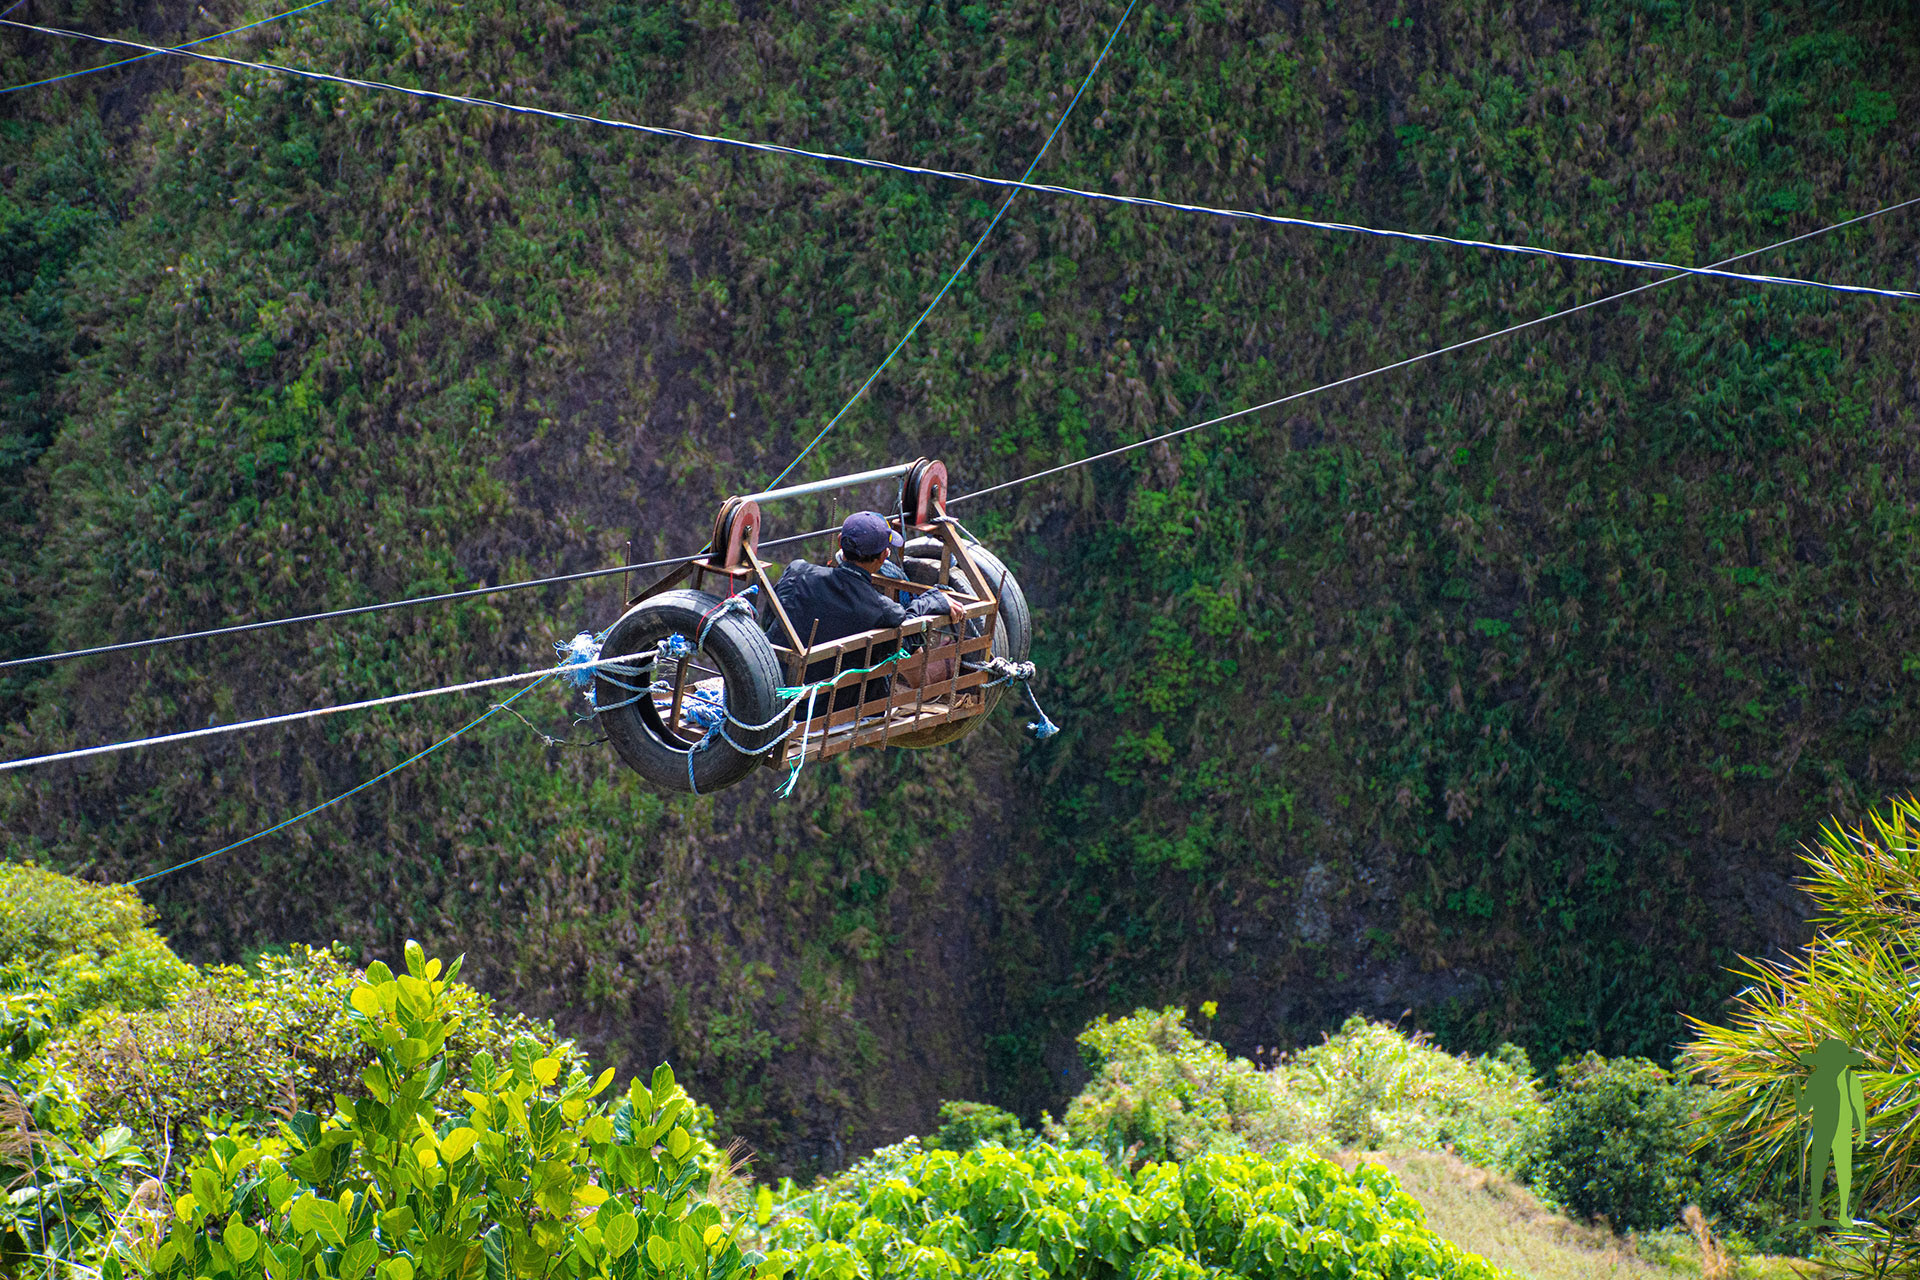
[
  {"x": 1049, "y": 1211},
  {"x": 67, "y": 946},
  {"x": 968, "y": 1124},
  {"x": 1374, "y": 1087},
  {"x": 1617, "y": 1140},
  {"x": 539, "y": 1180},
  {"x": 234, "y": 1044},
  {"x": 62, "y": 1190}
]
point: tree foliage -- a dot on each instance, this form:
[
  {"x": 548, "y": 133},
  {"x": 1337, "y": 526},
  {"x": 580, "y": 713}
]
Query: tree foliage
[
  {"x": 1049, "y": 1211},
  {"x": 387, "y": 1187}
]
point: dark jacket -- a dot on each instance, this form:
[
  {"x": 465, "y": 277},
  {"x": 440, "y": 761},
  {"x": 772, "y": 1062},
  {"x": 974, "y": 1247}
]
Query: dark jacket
[{"x": 844, "y": 601}]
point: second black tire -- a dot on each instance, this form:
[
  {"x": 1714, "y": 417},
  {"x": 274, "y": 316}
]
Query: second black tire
[{"x": 1012, "y": 634}]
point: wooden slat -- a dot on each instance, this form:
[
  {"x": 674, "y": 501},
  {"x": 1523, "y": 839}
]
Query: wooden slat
[
  {"x": 847, "y": 739},
  {"x": 981, "y": 609},
  {"x": 901, "y": 696}
]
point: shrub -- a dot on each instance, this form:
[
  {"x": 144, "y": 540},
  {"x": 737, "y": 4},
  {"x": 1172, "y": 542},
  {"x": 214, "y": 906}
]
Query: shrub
[
  {"x": 1160, "y": 1092},
  {"x": 538, "y": 1177},
  {"x": 1856, "y": 983},
  {"x": 1373, "y": 1087},
  {"x": 62, "y": 1189},
  {"x": 1049, "y": 1211},
  {"x": 1618, "y": 1140},
  {"x": 968, "y": 1124},
  {"x": 67, "y": 946},
  {"x": 235, "y": 1044}
]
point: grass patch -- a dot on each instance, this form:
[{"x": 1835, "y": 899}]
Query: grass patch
[{"x": 1500, "y": 1220}]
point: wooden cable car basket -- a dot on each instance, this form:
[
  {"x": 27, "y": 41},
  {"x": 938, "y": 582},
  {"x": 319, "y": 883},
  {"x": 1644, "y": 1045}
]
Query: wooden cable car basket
[{"x": 734, "y": 683}]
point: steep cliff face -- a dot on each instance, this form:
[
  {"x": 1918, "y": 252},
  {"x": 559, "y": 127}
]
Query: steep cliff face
[{"x": 1498, "y": 688}]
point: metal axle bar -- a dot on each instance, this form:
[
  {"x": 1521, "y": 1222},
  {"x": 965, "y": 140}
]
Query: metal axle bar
[{"x": 831, "y": 482}]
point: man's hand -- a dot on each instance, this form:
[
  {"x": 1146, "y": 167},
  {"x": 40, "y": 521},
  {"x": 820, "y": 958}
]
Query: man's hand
[{"x": 954, "y": 609}]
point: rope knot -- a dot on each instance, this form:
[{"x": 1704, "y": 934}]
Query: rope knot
[{"x": 576, "y": 653}]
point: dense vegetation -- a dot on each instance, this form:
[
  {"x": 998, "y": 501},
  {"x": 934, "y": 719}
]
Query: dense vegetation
[
  {"x": 1498, "y": 689},
  {"x": 507, "y": 1157},
  {"x": 447, "y": 1141}
]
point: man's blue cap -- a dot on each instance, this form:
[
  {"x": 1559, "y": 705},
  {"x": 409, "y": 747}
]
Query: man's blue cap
[{"x": 866, "y": 535}]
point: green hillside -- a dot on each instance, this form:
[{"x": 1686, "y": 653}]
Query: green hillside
[{"x": 1500, "y": 688}]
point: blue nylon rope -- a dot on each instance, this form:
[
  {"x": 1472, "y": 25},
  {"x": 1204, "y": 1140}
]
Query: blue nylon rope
[
  {"x": 959, "y": 270},
  {"x": 343, "y": 795},
  {"x": 141, "y": 57}
]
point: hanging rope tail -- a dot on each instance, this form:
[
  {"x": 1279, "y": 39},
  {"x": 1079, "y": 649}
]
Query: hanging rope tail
[{"x": 1022, "y": 673}]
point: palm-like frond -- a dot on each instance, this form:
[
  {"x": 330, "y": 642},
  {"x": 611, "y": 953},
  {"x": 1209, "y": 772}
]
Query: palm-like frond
[{"x": 1859, "y": 982}]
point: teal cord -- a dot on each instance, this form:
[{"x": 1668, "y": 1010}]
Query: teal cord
[
  {"x": 343, "y": 795},
  {"x": 959, "y": 270},
  {"x": 108, "y": 66}
]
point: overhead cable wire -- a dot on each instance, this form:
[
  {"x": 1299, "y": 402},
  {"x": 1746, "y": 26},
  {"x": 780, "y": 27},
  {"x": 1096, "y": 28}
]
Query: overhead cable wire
[
  {"x": 957, "y": 271},
  {"x": 240, "y": 628},
  {"x": 773, "y": 148},
  {"x": 469, "y": 726},
  {"x": 475, "y": 592},
  {"x": 1411, "y": 360},
  {"x": 142, "y": 57},
  {"x": 291, "y": 717},
  {"x": 977, "y": 493}
]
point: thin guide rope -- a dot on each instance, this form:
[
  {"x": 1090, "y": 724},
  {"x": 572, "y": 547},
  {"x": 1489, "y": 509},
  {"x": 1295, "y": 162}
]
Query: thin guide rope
[
  {"x": 966, "y": 497},
  {"x": 959, "y": 270},
  {"x": 210, "y": 731},
  {"x": 356, "y": 610},
  {"x": 1150, "y": 202},
  {"x": 142, "y": 57},
  {"x": 1410, "y": 360},
  {"x": 472, "y": 724}
]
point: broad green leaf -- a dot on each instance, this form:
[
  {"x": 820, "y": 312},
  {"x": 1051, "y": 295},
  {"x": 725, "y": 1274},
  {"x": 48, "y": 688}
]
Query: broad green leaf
[
  {"x": 305, "y": 1215},
  {"x": 366, "y": 1000},
  {"x": 494, "y": 1246},
  {"x": 455, "y": 1145},
  {"x": 546, "y": 1070},
  {"x": 678, "y": 1144},
  {"x": 621, "y": 1233},
  {"x": 241, "y": 1240},
  {"x": 396, "y": 1269},
  {"x": 600, "y": 1083},
  {"x": 358, "y": 1257},
  {"x": 659, "y": 1252}
]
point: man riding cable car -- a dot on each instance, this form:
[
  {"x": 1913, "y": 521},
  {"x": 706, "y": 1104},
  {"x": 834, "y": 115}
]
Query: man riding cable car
[{"x": 827, "y": 603}]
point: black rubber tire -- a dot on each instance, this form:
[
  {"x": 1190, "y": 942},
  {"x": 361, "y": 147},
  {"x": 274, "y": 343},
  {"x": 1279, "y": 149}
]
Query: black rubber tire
[
  {"x": 734, "y": 644},
  {"x": 1012, "y": 634}
]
